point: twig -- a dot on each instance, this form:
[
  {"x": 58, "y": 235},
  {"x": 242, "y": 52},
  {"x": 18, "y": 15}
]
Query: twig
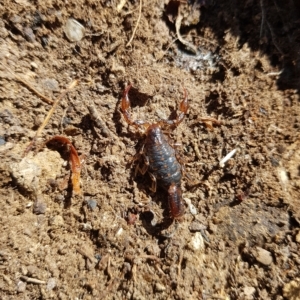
[
  {"x": 189, "y": 46},
  {"x": 32, "y": 280},
  {"x": 98, "y": 121},
  {"x": 137, "y": 23},
  {"x": 209, "y": 121},
  {"x": 46, "y": 99},
  {"x": 7, "y": 279},
  {"x": 205, "y": 237},
  {"x": 130, "y": 12},
  {"x": 274, "y": 73},
  {"x": 227, "y": 157},
  {"x": 179, "y": 264},
  {"x": 169, "y": 46},
  {"x": 63, "y": 119},
  {"x": 133, "y": 258},
  {"x": 41, "y": 128},
  {"x": 133, "y": 272},
  {"x": 152, "y": 257},
  {"x": 273, "y": 39},
  {"x": 158, "y": 268},
  {"x": 196, "y": 148},
  {"x": 103, "y": 262},
  {"x": 109, "y": 287},
  {"x": 108, "y": 269},
  {"x": 263, "y": 15},
  {"x": 87, "y": 255}
]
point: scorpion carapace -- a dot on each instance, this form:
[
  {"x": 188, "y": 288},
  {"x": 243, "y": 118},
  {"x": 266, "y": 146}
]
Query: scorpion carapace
[{"x": 160, "y": 157}]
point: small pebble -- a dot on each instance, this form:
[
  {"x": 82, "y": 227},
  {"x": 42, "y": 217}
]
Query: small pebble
[
  {"x": 74, "y": 30},
  {"x": 197, "y": 242},
  {"x": 86, "y": 226},
  {"x": 126, "y": 267},
  {"x": 26, "y": 173},
  {"x": 72, "y": 130},
  {"x": 33, "y": 65},
  {"x": 38, "y": 120},
  {"x": 32, "y": 271},
  {"x": 15, "y": 19},
  {"x": 16, "y": 131},
  {"x": 60, "y": 198},
  {"x": 263, "y": 256},
  {"x": 51, "y": 284},
  {"x": 66, "y": 121},
  {"x": 29, "y": 204},
  {"x": 28, "y": 34},
  {"x": 27, "y": 232},
  {"x": 3, "y": 32},
  {"x": 92, "y": 204},
  {"x": 21, "y": 286},
  {"x": 44, "y": 41},
  {"x": 39, "y": 207},
  {"x": 298, "y": 237},
  {"x": 24, "y": 270},
  {"x": 98, "y": 257},
  {"x": 291, "y": 289},
  {"x": 196, "y": 226},
  {"x": 120, "y": 231},
  {"x": 249, "y": 290},
  {"x": 191, "y": 206},
  {"x": 212, "y": 227},
  {"x": 281, "y": 149},
  {"x": 57, "y": 221},
  {"x": 2, "y": 141},
  {"x": 159, "y": 287},
  {"x": 51, "y": 84},
  {"x": 7, "y": 117}
]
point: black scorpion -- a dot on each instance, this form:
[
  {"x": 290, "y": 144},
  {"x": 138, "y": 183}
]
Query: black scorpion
[{"x": 161, "y": 159}]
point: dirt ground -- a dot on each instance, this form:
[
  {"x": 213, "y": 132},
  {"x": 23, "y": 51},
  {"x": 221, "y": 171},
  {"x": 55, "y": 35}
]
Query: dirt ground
[{"x": 239, "y": 62}]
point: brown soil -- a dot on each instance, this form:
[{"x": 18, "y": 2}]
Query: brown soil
[{"x": 239, "y": 238}]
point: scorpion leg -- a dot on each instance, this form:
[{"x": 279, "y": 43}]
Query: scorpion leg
[
  {"x": 140, "y": 169},
  {"x": 154, "y": 183},
  {"x": 191, "y": 181},
  {"x": 144, "y": 168},
  {"x": 153, "y": 178}
]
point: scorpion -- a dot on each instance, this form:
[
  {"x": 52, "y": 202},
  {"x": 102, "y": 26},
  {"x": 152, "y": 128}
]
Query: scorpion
[{"x": 160, "y": 156}]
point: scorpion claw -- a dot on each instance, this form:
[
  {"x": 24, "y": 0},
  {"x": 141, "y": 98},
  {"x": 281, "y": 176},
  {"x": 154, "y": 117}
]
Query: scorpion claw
[{"x": 125, "y": 105}]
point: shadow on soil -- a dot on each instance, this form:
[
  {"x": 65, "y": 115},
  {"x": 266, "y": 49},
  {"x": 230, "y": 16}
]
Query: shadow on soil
[{"x": 271, "y": 27}]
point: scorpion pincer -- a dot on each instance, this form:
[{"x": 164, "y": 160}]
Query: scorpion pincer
[{"x": 161, "y": 160}]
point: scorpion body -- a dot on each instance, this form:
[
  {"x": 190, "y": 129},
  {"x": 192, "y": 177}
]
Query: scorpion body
[
  {"x": 163, "y": 163},
  {"x": 160, "y": 157}
]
